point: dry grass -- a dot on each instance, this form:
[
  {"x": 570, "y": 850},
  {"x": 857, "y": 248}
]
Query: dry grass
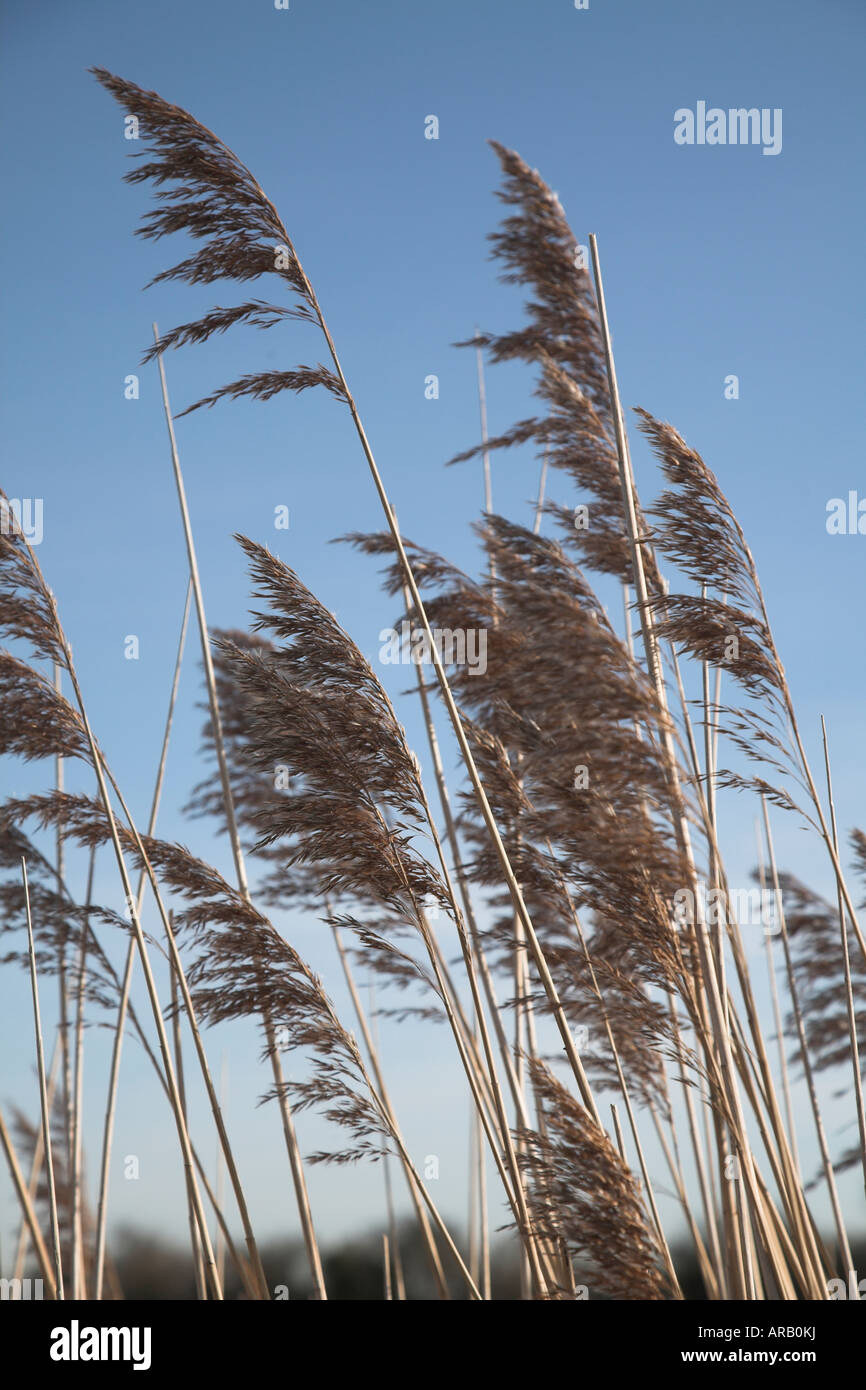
[{"x": 582, "y": 812}]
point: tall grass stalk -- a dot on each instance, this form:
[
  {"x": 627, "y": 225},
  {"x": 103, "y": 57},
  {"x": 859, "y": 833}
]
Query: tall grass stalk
[
  {"x": 296, "y": 1164},
  {"x": 43, "y": 1096},
  {"x": 123, "y": 1000}
]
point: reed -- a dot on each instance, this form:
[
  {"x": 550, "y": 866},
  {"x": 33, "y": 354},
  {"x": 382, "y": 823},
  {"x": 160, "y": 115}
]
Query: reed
[{"x": 528, "y": 894}]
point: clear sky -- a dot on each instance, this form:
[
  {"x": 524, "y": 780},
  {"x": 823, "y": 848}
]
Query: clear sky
[{"x": 717, "y": 261}]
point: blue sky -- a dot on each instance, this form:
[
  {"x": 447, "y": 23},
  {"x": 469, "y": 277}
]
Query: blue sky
[{"x": 716, "y": 261}]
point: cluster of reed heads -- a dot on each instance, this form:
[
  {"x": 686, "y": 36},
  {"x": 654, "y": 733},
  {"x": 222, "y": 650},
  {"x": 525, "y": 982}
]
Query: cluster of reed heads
[{"x": 523, "y": 898}]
